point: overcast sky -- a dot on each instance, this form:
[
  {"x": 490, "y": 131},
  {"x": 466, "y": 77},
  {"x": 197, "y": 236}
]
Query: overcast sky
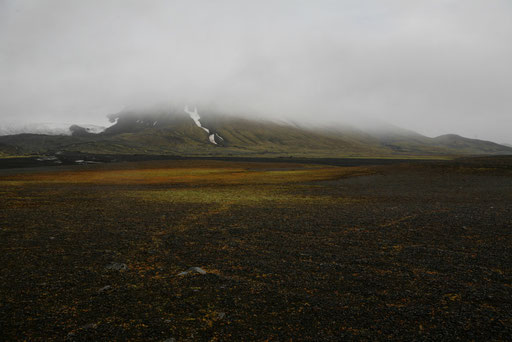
[{"x": 434, "y": 66}]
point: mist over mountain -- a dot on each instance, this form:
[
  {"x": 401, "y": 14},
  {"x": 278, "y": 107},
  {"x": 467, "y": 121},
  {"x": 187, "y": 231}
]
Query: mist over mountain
[
  {"x": 190, "y": 131},
  {"x": 435, "y": 67},
  {"x": 46, "y": 128}
]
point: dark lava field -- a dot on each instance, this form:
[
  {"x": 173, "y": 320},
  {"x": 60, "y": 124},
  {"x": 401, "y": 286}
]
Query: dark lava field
[{"x": 240, "y": 251}]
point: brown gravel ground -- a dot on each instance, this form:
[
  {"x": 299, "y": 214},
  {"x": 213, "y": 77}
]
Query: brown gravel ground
[{"x": 402, "y": 252}]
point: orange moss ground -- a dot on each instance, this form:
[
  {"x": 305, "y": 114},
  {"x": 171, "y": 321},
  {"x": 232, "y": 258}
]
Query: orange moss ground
[{"x": 190, "y": 172}]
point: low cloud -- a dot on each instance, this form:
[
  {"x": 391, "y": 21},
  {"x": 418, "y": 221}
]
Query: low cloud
[{"x": 433, "y": 66}]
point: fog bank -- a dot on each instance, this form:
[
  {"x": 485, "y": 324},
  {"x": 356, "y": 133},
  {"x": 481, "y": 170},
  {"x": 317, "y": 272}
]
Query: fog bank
[{"x": 440, "y": 66}]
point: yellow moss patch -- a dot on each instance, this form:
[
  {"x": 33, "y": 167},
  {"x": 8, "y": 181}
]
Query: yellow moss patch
[{"x": 229, "y": 195}]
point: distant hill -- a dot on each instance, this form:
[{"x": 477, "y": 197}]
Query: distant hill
[{"x": 187, "y": 132}]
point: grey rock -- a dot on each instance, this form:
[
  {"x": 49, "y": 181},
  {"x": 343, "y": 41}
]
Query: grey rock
[
  {"x": 192, "y": 270},
  {"x": 105, "y": 289},
  {"x": 115, "y": 266},
  {"x": 89, "y": 326}
]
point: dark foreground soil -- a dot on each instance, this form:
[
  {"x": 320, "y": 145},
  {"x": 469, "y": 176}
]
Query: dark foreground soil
[{"x": 410, "y": 252}]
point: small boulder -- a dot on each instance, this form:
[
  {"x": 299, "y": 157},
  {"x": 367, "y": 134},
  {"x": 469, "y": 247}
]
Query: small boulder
[
  {"x": 105, "y": 289},
  {"x": 193, "y": 270},
  {"x": 116, "y": 266}
]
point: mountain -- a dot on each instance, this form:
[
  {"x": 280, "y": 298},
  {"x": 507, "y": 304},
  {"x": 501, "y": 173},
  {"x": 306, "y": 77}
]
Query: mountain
[{"x": 188, "y": 132}]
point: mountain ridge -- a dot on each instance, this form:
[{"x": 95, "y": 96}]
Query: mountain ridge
[{"x": 190, "y": 132}]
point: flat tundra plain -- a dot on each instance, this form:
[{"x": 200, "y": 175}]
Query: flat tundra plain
[{"x": 251, "y": 251}]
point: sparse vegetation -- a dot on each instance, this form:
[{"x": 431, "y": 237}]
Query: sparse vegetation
[
  {"x": 176, "y": 134},
  {"x": 290, "y": 251}
]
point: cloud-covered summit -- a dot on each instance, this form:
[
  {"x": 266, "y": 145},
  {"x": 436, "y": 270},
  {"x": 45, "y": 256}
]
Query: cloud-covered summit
[{"x": 432, "y": 66}]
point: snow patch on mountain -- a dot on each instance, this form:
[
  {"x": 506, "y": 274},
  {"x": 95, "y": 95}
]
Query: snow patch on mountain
[
  {"x": 35, "y": 128},
  {"x": 212, "y": 139},
  {"x": 194, "y": 115}
]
